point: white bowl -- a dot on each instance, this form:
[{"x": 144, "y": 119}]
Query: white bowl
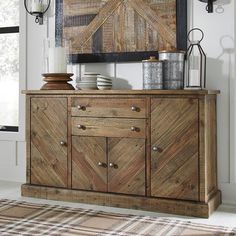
[
  {"x": 91, "y": 73},
  {"x": 89, "y": 79},
  {"x": 103, "y": 77},
  {"x": 104, "y": 83},
  {"x": 87, "y": 82},
  {"x": 104, "y": 80},
  {"x": 86, "y": 85},
  {"x": 104, "y": 87}
]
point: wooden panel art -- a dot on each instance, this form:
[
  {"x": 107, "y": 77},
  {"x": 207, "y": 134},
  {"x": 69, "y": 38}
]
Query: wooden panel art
[{"x": 121, "y": 30}]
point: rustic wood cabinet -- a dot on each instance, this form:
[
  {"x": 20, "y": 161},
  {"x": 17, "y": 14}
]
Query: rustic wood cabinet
[{"x": 151, "y": 150}]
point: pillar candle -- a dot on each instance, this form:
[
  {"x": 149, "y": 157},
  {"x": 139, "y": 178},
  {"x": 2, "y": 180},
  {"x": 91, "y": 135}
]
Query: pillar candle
[
  {"x": 37, "y": 6},
  {"x": 57, "y": 60}
]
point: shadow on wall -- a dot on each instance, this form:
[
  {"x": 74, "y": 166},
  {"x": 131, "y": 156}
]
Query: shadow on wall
[
  {"x": 220, "y": 75},
  {"x": 219, "y": 6},
  {"x": 221, "y": 68}
]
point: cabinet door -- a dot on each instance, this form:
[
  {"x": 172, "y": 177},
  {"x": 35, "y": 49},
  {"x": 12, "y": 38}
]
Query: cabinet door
[
  {"x": 174, "y": 157},
  {"x": 49, "y": 141},
  {"x": 126, "y": 166},
  {"x": 89, "y": 163}
]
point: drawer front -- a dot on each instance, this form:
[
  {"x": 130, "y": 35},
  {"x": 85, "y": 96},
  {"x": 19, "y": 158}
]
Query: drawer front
[
  {"x": 106, "y": 107},
  {"x": 109, "y": 127}
]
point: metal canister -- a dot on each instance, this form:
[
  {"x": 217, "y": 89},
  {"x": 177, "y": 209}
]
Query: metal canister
[
  {"x": 152, "y": 74},
  {"x": 173, "y": 72}
]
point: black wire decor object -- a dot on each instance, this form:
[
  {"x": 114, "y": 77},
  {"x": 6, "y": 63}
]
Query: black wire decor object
[
  {"x": 196, "y": 62},
  {"x": 209, "y": 7},
  {"x": 38, "y": 14}
]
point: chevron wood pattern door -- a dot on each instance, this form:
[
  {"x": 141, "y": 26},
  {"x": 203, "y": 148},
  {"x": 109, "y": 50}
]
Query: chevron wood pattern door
[
  {"x": 126, "y": 164},
  {"x": 89, "y": 163},
  {"x": 48, "y": 145},
  {"x": 174, "y": 140}
]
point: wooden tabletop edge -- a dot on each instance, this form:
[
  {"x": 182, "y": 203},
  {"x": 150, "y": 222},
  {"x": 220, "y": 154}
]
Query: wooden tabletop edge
[{"x": 117, "y": 92}]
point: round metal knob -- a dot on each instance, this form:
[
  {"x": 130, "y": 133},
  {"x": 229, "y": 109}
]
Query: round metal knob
[
  {"x": 62, "y": 143},
  {"x": 155, "y": 149},
  {"x": 111, "y": 165},
  {"x": 133, "y": 128},
  {"x": 133, "y": 108},
  {"x": 100, "y": 163},
  {"x": 80, "y": 126},
  {"x": 81, "y": 107}
]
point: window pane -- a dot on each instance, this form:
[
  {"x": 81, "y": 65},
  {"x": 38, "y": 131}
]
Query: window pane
[
  {"x": 9, "y": 13},
  {"x": 9, "y": 79}
]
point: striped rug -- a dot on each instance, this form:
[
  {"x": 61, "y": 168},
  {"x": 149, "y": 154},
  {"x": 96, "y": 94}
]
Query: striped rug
[{"x": 24, "y": 218}]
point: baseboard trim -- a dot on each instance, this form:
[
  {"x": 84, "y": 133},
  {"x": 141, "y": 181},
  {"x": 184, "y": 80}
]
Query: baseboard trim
[{"x": 178, "y": 207}]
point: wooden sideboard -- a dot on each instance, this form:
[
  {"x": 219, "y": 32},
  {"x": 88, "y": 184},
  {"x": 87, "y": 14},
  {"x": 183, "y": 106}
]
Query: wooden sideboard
[{"x": 151, "y": 150}]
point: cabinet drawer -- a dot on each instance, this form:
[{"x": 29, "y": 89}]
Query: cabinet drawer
[
  {"x": 97, "y": 107},
  {"x": 109, "y": 127}
]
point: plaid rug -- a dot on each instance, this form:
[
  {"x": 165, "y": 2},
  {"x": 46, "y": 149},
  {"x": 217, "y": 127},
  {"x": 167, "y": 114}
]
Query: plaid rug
[{"x": 23, "y": 218}]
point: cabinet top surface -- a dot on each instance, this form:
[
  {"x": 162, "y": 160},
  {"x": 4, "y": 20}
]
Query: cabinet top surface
[{"x": 120, "y": 92}]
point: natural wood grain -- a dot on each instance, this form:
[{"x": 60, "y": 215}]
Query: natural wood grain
[
  {"x": 57, "y": 81},
  {"x": 28, "y": 139},
  {"x": 154, "y": 20},
  {"x": 211, "y": 144},
  {"x": 109, "y": 127},
  {"x": 69, "y": 144},
  {"x": 208, "y": 144},
  {"x": 180, "y": 178},
  {"x": 174, "y": 133},
  {"x": 107, "y": 26},
  {"x": 87, "y": 152},
  {"x": 189, "y": 208},
  {"x": 128, "y": 173},
  {"x": 99, "y": 20},
  {"x": 122, "y": 92},
  {"x": 48, "y": 129},
  {"x": 148, "y": 149},
  {"x": 202, "y": 148},
  {"x": 109, "y": 107}
]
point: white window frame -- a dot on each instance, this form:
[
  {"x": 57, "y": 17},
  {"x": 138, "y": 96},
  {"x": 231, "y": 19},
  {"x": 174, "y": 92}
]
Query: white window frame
[{"x": 20, "y": 135}]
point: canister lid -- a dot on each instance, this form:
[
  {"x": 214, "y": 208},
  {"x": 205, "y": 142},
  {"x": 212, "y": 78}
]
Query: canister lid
[{"x": 151, "y": 59}]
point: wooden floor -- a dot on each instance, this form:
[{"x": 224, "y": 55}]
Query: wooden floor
[{"x": 225, "y": 214}]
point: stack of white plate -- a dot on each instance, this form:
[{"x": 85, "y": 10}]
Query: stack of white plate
[
  {"x": 104, "y": 82},
  {"x": 88, "y": 81}
]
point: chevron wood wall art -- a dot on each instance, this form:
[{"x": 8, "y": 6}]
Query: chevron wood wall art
[{"x": 118, "y": 27}]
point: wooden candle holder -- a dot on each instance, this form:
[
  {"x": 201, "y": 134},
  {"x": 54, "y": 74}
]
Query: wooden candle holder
[{"x": 57, "y": 81}]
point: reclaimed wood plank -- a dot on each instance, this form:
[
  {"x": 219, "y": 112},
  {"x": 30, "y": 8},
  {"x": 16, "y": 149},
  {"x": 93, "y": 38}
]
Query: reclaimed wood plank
[
  {"x": 109, "y": 107},
  {"x": 174, "y": 134},
  {"x": 127, "y": 175},
  {"x": 87, "y": 154},
  {"x": 153, "y": 19},
  {"x": 109, "y": 127},
  {"x": 189, "y": 208}
]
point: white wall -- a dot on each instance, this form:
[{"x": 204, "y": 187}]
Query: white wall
[{"x": 219, "y": 45}]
